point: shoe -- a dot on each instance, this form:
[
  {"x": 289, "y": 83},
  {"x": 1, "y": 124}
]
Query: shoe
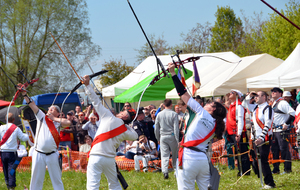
[
  {"x": 166, "y": 175},
  {"x": 145, "y": 170},
  {"x": 288, "y": 171},
  {"x": 269, "y": 187},
  {"x": 278, "y": 172}
]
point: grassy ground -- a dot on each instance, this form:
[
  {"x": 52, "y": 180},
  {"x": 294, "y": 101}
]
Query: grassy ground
[{"x": 77, "y": 180}]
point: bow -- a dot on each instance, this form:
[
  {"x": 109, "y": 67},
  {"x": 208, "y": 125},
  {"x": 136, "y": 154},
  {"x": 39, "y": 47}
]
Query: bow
[{"x": 181, "y": 63}]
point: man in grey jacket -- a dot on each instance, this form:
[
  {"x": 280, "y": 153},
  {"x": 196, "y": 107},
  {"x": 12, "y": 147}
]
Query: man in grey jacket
[{"x": 167, "y": 135}]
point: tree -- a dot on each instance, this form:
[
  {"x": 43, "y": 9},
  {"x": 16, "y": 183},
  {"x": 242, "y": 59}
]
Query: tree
[
  {"x": 279, "y": 37},
  {"x": 159, "y": 45},
  {"x": 227, "y": 32},
  {"x": 25, "y": 42},
  {"x": 196, "y": 40},
  {"x": 252, "y": 36},
  {"x": 116, "y": 71}
]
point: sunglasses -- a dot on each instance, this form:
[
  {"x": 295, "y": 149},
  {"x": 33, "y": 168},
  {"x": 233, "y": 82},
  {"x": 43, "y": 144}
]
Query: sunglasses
[
  {"x": 80, "y": 115},
  {"x": 127, "y": 106}
]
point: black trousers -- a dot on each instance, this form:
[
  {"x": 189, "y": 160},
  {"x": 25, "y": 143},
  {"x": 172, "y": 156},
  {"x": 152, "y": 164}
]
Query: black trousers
[
  {"x": 264, "y": 151},
  {"x": 243, "y": 148},
  {"x": 8, "y": 159},
  {"x": 280, "y": 143}
]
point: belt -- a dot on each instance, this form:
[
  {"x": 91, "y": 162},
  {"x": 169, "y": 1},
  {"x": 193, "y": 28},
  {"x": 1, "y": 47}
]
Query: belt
[{"x": 46, "y": 153}]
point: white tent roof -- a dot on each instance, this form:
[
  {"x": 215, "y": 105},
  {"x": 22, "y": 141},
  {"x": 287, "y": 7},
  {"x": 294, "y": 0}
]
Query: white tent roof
[
  {"x": 275, "y": 76},
  {"x": 148, "y": 66},
  {"x": 214, "y": 69},
  {"x": 235, "y": 78}
]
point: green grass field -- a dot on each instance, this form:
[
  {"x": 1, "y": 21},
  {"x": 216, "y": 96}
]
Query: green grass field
[{"x": 77, "y": 180}]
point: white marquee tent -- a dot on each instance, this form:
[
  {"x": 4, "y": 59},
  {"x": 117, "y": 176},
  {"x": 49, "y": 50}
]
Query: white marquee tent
[
  {"x": 148, "y": 66},
  {"x": 284, "y": 76},
  {"x": 215, "y": 68},
  {"x": 235, "y": 78}
]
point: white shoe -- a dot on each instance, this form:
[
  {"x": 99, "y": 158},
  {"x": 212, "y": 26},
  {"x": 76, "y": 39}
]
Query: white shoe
[{"x": 268, "y": 187}]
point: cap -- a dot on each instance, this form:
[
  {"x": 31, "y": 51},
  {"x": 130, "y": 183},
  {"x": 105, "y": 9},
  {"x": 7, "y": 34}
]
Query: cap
[
  {"x": 276, "y": 89},
  {"x": 238, "y": 92},
  {"x": 141, "y": 110},
  {"x": 70, "y": 113},
  {"x": 286, "y": 93}
]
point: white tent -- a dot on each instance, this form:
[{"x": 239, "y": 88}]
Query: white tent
[
  {"x": 148, "y": 66},
  {"x": 215, "y": 68},
  {"x": 281, "y": 76},
  {"x": 235, "y": 78}
]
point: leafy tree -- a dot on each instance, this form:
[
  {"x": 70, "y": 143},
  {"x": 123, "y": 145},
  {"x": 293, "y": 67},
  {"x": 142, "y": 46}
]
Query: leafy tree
[
  {"x": 116, "y": 71},
  {"x": 279, "y": 37},
  {"x": 196, "y": 40},
  {"x": 227, "y": 32},
  {"x": 252, "y": 37},
  {"x": 25, "y": 42},
  {"x": 159, "y": 45}
]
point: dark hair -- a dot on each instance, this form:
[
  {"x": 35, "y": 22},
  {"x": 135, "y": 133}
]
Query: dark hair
[
  {"x": 167, "y": 102},
  {"x": 263, "y": 93},
  {"x": 219, "y": 114},
  {"x": 11, "y": 117}
]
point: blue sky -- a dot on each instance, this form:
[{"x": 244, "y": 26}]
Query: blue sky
[{"x": 115, "y": 29}]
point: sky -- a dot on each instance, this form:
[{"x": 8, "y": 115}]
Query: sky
[{"x": 114, "y": 27}]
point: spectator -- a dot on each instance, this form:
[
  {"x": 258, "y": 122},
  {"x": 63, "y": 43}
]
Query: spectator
[
  {"x": 287, "y": 97},
  {"x": 77, "y": 111},
  {"x": 147, "y": 110},
  {"x": 81, "y": 132},
  {"x": 91, "y": 126},
  {"x": 145, "y": 151},
  {"x": 87, "y": 146},
  {"x": 139, "y": 125},
  {"x": 127, "y": 106},
  {"x": 131, "y": 149},
  {"x": 72, "y": 130},
  {"x": 167, "y": 134}
]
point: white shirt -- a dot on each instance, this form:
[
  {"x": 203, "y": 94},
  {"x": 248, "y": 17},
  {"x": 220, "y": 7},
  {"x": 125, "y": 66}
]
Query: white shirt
[
  {"x": 134, "y": 144},
  {"x": 11, "y": 145},
  {"x": 91, "y": 128},
  {"x": 44, "y": 141},
  {"x": 108, "y": 122},
  {"x": 200, "y": 127},
  {"x": 22, "y": 151},
  {"x": 280, "y": 119},
  {"x": 262, "y": 116}
]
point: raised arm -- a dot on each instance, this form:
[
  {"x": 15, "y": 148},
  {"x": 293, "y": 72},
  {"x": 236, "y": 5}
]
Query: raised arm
[
  {"x": 178, "y": 85},
  {"x": 30, "y": 102}
]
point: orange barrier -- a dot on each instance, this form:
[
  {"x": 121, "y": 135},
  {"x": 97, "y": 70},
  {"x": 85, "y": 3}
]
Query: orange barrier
[{"x": 74, "y": 160}]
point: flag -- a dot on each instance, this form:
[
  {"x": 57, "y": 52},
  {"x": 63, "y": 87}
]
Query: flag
[
  {"x": 196, "y": 83},
  {"x": 181, "y": 76}
]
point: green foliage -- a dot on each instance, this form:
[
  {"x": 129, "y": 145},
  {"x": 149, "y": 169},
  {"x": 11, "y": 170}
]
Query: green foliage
[
  {"x": 227, "y": 32},
  {"x": 159, "y": 45},
  {"x": 25, "y": 42},
  {"x": 196, "y": 40},
  {"x": 279, "y": 36},
  {"x": 116, "y": 71}
]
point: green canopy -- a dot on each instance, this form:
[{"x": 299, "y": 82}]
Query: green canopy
[{"x": 154, "y": 92}]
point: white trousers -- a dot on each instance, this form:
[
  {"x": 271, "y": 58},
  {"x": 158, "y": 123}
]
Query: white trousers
[
  {"x": 144, "y": 158},
  {"x": 168, "y": 142},
  {"x": 39, "y": 163},
  {"x": 98, "y": 164},
  {"x": 193, "y": 170}
]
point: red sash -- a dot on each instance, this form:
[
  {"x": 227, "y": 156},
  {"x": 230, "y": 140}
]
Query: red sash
[
  {"x": 191, "y": 144},
  {"x": 8, "y": 133},
  {"x": 109, "y": 134},
  {"x": 261, "y": 125},
  {"x": 53, "y": 130},
  {"x": 297, "y": 118}
]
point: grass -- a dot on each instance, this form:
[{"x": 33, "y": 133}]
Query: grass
[{"x": 150, "y": 181}]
